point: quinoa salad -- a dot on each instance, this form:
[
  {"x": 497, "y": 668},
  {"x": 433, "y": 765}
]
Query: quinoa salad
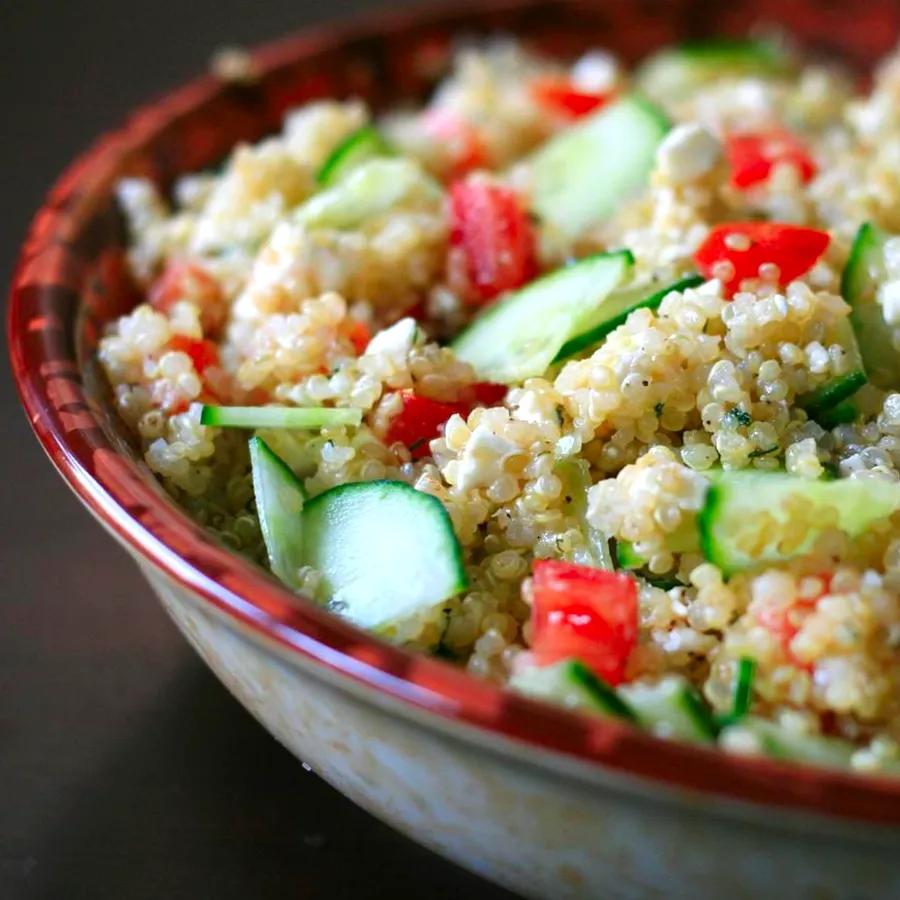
[{"x": 583, "y": 378}]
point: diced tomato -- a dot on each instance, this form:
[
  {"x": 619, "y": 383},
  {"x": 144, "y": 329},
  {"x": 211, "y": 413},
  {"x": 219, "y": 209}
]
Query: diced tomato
[
  {"x": 485, "y": 393},
  {"x": 203, "y": 353},
  {"x": 419, "y": 312},
  {"x": 742, "y": 247},
  {"x": 422, "y": 419},
  {"x": 495, "y": 236},
  {"x": 783, "y": 622},
  {"x": 189, "y": 281},
  {"x": 590, "y": 614},
  {"x": 359, "y": 336},
  {"x": 459, "y": 137},
  {"x": 752, "y": 156},
  {"x": 560, "y": 96}
]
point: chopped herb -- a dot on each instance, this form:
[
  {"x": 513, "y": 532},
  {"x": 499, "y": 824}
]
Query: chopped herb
[
  {"x": 830, "y": 471},
  {"x": 743, "y": 692},
  {"x": 664, "y": 584},
  {"x": 658, "y": 409},
  {"x": 756, "y": 454},
  {"x": 743, "y": 688},
  {"x": 738, "y": 416}
]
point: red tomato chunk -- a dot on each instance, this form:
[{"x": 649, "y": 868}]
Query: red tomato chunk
[
  {"x": 203, "y": 353},
  {"x": 422, "y": 419},
  {"x": 560, "y": 96},
  {"x": 584, "y": 613},
  {"x": 359, "y": 336},
  {"x": 460, "y": 137},
  {"x": 735, "y": 251},
  {"x": 188, "y": 281},
  {"x": 495, "y": 236},
  {"x": 753, "y": 155}
]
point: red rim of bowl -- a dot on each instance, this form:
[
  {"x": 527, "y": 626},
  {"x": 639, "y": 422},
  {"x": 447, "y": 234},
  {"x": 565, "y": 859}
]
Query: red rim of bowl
[{"x": 69, "y": 426}]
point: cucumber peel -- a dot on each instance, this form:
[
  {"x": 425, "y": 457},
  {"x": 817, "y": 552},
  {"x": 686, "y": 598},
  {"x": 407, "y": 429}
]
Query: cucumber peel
[
  {"x": 673, "y": 73},
  {"x": 733, "y": 537},
  {"x": 671, "y": 708},
  {"x": 363, "y": 144},
  {"x": 818, "y": 402},
  {"x": 778, "y": 742},
  {"x": 864, "y": 273},
  {"x": 580, "y": 177},
  {"x": 386, "y": 552},
  {"x": 572, "y": 684},
  {"x": 371, "y": 189},
  {"x": 279, "y": 504},
  {"x": 521, "y": 335},
  {"x": 617, "y": 307},
  {"x": 278, "y": 416}
]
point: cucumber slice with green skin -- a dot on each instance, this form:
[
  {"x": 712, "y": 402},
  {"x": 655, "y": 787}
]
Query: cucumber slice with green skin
[
  {"x": 627, "y": 557},
  {"x": 572, "y": 684},
  {"x": 580, "y": 177},
  {"x": 671, "y": 708},
  {"x": 776, "y": 741},
  {"x": 617, "y": 307},
  {"x": 364, "y": 144},
  {"x": 520, "y": 336},
  {"x": 387, "y": 553},
  {"x": 370, "y": 190},
  {"x": 279, "y": 504},
  {"x": 841, "y": 414},
  {"x": 576, "y": 481},
  {"x": 278, "y": 416},
  {"x": 733, "y": 536},
  {"x": 864, "y": 274},
  {"x": 825, "y": 397},
  {"x": 675, "y": 72}
]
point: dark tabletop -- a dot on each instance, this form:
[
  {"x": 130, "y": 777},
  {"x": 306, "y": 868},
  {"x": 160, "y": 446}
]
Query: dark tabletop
[{"x": 126, "y": 770}]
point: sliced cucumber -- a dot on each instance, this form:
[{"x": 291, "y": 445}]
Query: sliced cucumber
[
  {"x": 864, "y": 274},
  {"x": 777, "y": 741},
  {"x": 841, "y": 414},
  {"x": 370, "y": 190},
  {"x": 278, "y": 416},
  {"x": 674, "y": 73},
  {"x": 520, "y": 336},
  {"x": 572, "y": 684},
  {"x": 617, "y": 307},
  {"x": 362, "y": 145},
  {"x": 627, "y": 557},
  {"x": 580, "y": 177},
  {"x": 734, "y": 535},
  {"x": 576, "y": 481},
  {"x": 671, "y": 708},
  {"x": 817, "y": 403},
  {"x": 387, "y": 553},
  {"x": 279, "y": 504}
]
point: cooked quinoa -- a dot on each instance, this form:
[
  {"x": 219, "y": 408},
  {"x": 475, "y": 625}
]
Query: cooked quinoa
[{"x": 260, "y": 293}]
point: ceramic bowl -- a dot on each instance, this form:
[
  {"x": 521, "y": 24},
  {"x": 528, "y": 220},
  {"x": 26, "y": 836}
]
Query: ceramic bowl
[{"x": 547, "y": 802}]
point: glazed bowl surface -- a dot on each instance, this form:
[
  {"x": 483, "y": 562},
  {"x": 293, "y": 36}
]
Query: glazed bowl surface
[{"x": 547, "y": 802}]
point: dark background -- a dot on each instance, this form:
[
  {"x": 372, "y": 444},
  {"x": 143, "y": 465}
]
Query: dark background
[{"x": 126, "y": 770}]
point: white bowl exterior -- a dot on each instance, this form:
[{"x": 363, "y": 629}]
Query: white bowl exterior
[{"x": 542, "y": 832}]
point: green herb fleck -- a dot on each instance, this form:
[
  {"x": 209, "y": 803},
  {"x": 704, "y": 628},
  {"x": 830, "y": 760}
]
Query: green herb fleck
[
  {"x": 738, "y": 416},
  {"x": 756, "y": 454}
]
